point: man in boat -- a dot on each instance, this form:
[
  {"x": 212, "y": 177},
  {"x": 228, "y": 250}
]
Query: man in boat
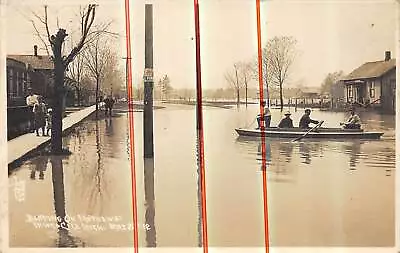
[
  {"x": 306, "y": 120},
  {"x": 286, "y": 122},
  {"x": 353, "y": 122},
  {"x": 267, "y": 117}
]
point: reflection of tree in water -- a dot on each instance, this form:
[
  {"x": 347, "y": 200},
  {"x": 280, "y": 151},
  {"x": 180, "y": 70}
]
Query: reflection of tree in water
[
  {"x": 89, "y": 175},
  {"x": 98, "y": 188},
  {"x": 149, "y": 198},
  {"x": 64, "y": 238},
  {"x": 39, "y": 165}
]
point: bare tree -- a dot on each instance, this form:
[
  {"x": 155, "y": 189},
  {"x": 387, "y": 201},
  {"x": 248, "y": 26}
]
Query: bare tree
[
  {"x": 61, "y": 62},
  {"x": 278, "y": 57},
  {"x": 76, "y": 72},
  {"x": 98, "y": 56},
  {"x": 245, "y": 75},
  {"x": 166, "y": 86},
  {"x": 233, "y": 80}
]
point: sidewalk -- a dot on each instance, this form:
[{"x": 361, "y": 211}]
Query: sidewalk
[{"x": 24, "y": 144}]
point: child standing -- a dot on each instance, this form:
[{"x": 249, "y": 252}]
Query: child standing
[{"x": 48, "y": 120}]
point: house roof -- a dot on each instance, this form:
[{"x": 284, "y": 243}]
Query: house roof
[
  {"x": 36, "y": 62},
  {"x": 371, "y": 70}
]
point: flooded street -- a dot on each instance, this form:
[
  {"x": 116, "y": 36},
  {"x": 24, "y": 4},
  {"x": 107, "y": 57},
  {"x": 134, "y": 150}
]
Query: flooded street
[{"x": 320, "y": 192}]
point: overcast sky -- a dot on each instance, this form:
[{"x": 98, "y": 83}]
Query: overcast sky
[{"x": 331, "y": 35}]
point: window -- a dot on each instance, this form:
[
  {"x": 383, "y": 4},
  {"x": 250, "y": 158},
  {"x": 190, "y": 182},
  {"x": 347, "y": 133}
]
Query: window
[
  {"x": 372, "y": 89},
  {"x": 18, "y": 86},
  {"x": 12, "y": 88},
  {"x": 349, "y": 92}
]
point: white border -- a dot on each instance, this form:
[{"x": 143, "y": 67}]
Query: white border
[{"x": 4, "y": 182}]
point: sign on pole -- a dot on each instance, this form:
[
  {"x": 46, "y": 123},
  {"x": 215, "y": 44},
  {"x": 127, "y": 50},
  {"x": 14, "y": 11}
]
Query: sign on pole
[{"x": 148, "y": 75}]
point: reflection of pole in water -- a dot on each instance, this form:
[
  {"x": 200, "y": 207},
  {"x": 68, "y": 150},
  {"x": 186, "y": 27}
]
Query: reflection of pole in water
[
  {"x": 199, "y": 223},
  {"x": 151, "y": 238},
  {"x": 65, "y": 239}
]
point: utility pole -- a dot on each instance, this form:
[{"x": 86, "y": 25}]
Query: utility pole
[
  {"x": 245, "y": 82},
  {"x": 148, "y": 84},
  {"x": 237, "y": 87}
]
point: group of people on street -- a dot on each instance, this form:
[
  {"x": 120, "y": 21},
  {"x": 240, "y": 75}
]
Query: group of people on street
[
  {"x": 40, "y": 116},
  {"x": 108, "y": 104},
  {"x": 353, "y": 121}
]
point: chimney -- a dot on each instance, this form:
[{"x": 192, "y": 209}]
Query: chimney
[
  {"x": 35, "y": 50},
  {"x": 387, "y": 56}
]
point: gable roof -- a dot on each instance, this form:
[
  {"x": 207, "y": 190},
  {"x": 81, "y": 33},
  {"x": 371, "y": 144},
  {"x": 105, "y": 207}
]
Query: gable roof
[
  {"x": 371, "y": 70},
  {"x": 36, "y": 62}
]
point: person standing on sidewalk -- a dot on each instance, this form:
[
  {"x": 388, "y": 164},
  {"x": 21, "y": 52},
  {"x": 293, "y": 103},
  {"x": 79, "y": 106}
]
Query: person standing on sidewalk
[
  {"x": 39, "y": 110},
  {"x": 31, "y": 100}
]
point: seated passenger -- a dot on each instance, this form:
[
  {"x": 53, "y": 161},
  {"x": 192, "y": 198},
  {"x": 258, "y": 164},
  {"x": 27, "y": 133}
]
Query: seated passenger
[
  {"x": 353, "y": 122},
  {"x": 286, "y": 122}
]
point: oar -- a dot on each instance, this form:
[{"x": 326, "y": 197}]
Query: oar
[
  {"x": 304, "y": 135},
  {"x": 251, "y": 123}
]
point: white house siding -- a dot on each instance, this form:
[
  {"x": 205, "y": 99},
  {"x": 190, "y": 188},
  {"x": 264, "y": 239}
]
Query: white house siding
[
  {"x": 388, "y": 96},
  {"x": 377, "y": 84}
]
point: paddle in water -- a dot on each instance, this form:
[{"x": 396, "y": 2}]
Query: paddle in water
[{"x": 312, "y": 129}]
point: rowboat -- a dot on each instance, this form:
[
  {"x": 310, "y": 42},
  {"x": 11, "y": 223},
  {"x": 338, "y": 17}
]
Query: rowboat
[{"x": 327, "y": 133}]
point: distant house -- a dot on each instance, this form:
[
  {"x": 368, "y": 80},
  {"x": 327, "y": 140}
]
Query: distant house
[
  {"x": 310, "y": 93},
  {"x": 373, "y": 83},
  {"x": 23, "y": 71}
]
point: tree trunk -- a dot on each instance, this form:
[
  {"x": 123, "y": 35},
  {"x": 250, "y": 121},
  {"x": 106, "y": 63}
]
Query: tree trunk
[
  {"x": 78, "y": 94},
  {"x": 56, "y": 130},
  {"x": 238, "y": 97},
  {"x": 97, "y": 98},
  {"x": 281, "y": 95}
]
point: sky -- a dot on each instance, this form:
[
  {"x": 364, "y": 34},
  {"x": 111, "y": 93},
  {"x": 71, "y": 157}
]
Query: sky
[{"x": 331, "y": 35}]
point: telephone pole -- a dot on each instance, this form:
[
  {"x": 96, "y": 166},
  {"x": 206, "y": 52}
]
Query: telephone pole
[{"x": 148, "y": 84}]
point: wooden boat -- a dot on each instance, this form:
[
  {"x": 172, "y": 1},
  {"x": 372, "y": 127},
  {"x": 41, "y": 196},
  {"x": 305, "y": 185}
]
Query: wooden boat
[{"x": 326, "y": 133}]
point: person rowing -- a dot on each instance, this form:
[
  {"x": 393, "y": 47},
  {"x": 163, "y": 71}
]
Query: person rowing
[
  {"x": 353, "y": 122},
  {"x": 267, "y": 117},
  {"x": 306, "y": 120}
]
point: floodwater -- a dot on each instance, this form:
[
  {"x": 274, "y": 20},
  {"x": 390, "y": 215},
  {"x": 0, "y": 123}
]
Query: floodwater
[{"x": 320, "y": 193}]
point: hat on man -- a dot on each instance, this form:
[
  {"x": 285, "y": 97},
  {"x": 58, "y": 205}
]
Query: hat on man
[
  {"x": 308, "y": 110},
  {"x": 287, "y": 113}
]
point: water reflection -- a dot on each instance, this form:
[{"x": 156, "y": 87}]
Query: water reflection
[
  {"x": 354, "y": 150},
  {"x": 199, "y": 206},
  {"x": 151, "y": 239},
  {"x": 39, "y": 165},
  {"x": 109, "y": 126},
  {"x": 305, "y": 152},
  {"x": 286, "y": 149},
  {"x": 64, "y": 238},
  {"x": 268, "y": 153}
]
